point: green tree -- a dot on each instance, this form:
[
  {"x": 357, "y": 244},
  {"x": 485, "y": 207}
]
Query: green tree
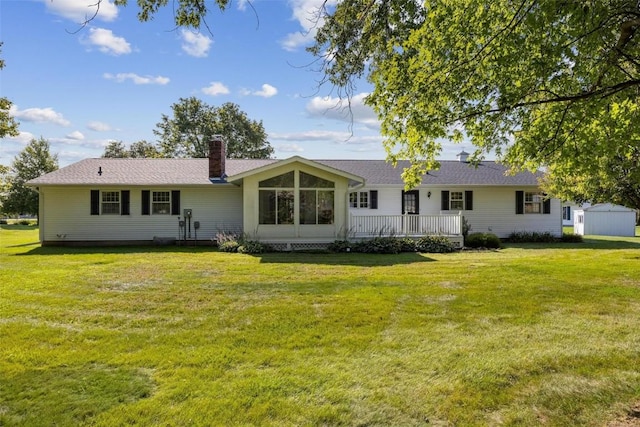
[
  {"x": 186, "y": 13},
  {"x": 5, "y": 184},
  {"x": 612, "y": 178},
  {"x": 195, "y": 123},
  {"x": 115, "y": 149},
  {"x": 35, "y": 160},
  {"x": 143, "y": 149},
  {"x": 535, "y": 82},
  {"x": 8, "y": 126}
]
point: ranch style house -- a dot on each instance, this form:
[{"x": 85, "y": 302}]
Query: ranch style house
[{"x": 291, "y": 202}]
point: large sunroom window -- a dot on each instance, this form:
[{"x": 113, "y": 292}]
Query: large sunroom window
[
  {"x": 276, "y": 199},
  {"x": 280, "y": 196},
  {"x": 316, "y": 200}
]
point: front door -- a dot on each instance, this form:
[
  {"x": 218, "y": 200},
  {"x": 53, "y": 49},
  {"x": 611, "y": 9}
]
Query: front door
[
  {"x": 410, "y": 202},
  {"x": 410, "y": 207}
]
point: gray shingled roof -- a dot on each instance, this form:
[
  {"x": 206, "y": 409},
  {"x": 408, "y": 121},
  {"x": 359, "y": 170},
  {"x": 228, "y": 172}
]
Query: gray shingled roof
[
  {"x": 196, "y": 172},
  {"x": 142, "y": 172},
  {"x": 451, "y": 172}
]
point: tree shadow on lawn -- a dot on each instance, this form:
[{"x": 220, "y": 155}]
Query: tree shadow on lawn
[
  {"x": 320, "y": 258},
  {"x": 590, "y": 242},
  {"x": 77, "y": 250},
  {"x": 352, "y": 259}
]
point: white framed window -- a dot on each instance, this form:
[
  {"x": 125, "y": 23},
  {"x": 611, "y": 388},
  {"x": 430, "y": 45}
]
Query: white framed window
[
  {"x": 533, "y": 203},
  {"x": 359, "y": 199},
  {"x": 566, "y": 213},
  {"x": 456, "y": 201},
  {"x": 161, "y": 203},
  {"x": 110, "y": 203}
]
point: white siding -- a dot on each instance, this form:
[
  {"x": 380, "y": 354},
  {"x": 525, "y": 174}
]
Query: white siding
[
  {"x": 67, "y": 214},
  {"x": 493, "y": 209}
]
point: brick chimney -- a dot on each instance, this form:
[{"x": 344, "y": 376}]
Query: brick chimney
[{"x": 217, "y": 156}]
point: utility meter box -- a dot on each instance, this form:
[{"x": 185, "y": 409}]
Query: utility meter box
[
  {"x": 196, "y": 224},
  {"x": 187, "y": 213}
]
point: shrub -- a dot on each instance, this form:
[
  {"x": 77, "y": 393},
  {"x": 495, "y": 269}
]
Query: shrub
[
  {"x": 228, "y": 236},
  {"x": 466, "y": 227},
  {"x": 532, "y": 237},
  {"x": 434, "y": 245},
  {"x": 229, "y": 246},
  {"x": 24, "y": 222},
  {"x": 482, "y": 240},
  {"x": 407, "y": 244},
  {"x": 572, "y": 238},
  {"x": 340, "y": 246},
  {"x": 252, "y": 247},
  {"x": 379, "y": 245}
]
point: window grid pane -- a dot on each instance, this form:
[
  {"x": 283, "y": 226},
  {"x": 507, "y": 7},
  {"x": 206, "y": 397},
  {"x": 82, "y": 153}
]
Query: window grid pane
[
  {"x": 532, "y": 203},
  {"x": 161, "y": 203},
  {"x": 285, "y": 202},
  {"x": 353, "y": 200},
  {"x": 267, "y": 206},
  {"x": 364, "y": 199},
  {"x": 110, "y": 202}
]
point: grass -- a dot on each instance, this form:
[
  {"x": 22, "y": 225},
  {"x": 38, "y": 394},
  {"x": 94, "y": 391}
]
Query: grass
[{"x": 528, "y": 335}]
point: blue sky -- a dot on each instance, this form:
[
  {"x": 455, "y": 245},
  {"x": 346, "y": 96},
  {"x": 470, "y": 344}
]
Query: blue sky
[{"x": 81, "y": 88}]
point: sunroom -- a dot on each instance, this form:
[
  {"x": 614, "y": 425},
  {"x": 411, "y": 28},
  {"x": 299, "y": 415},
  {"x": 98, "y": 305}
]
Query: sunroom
[{"x": 296, "y": 200}]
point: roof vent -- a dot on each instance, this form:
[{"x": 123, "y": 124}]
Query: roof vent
[{"x": 462, "y": 156}]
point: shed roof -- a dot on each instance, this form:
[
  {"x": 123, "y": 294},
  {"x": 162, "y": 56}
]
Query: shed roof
[{"x": 607, "y": 207}]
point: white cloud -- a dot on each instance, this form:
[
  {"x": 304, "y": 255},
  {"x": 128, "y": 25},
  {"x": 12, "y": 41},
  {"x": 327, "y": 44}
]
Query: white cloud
[
  {"x": 39, "y": 115},
  {"x": 107, "y": 42},
  {"x": 195, "y": 44},
  {"x": 312, "y": 135},
  {"x": 306, "y": 12},
  {"x": 267, "y": 91},
  {"x": 341, "y": 109},
  {"x": 68, "y": 141},
  {"x": 99, "y": 126},
  {"x": 137, "y": 79},
  {"x": 75, "y": 135},
  {"x": 82, "y": 10},
  {"x": 22, "y": 138},
  {"x": 289, "y": 148},
  {"x": 216, "y": 88}
]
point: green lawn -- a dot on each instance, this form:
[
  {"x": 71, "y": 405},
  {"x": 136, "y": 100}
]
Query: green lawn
[{"x": 528, "y": 335}]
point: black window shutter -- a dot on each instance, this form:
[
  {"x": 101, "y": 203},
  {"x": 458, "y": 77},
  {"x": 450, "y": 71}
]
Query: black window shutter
[
  {"x": 373, "y": 202},
  {"x": 124, "y": 202},
  {"x": 519, "y": 202},
  {"x": 546, "y": 206},
  {"x": 444, "y": 200},
  {"x": 95, "y": 202},
  {"x": 146, "y": 202},
  {"x": 468, "y": 200},
  {"x": 175, "y": 202}
]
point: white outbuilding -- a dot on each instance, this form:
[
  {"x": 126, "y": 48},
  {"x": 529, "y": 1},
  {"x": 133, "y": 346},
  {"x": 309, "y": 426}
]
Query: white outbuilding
[{"x": 605, "y": 219}]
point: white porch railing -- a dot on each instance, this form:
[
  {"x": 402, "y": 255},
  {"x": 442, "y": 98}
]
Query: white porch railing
[{"x": 405, "y": 225}]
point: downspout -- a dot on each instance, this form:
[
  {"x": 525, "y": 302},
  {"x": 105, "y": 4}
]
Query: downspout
[{"x": 347, "y": 207}]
